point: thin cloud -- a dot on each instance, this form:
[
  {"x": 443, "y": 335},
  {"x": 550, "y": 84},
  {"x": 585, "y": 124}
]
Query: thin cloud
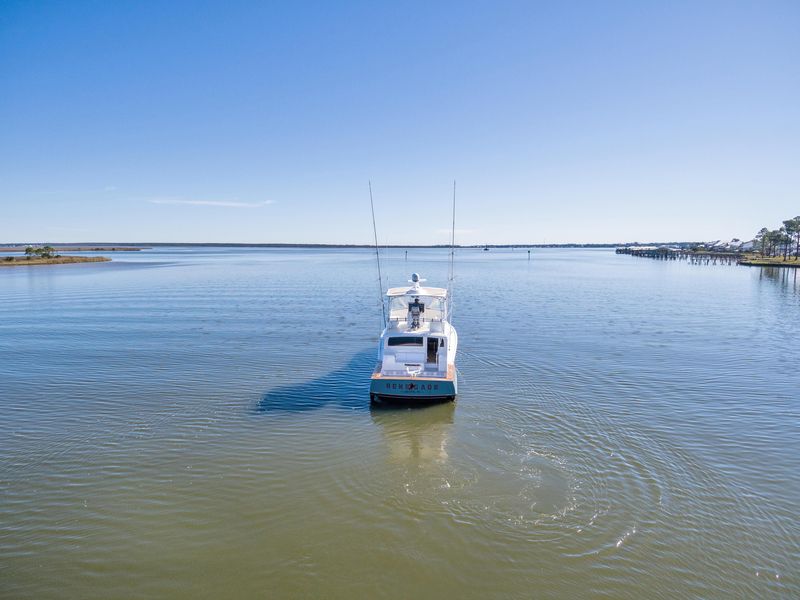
[
  {"x": 223, "y": 203},
  {"x": 458, "y": 231}
]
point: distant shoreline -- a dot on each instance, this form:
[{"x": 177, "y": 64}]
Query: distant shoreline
[
  {"x": 769, "y": 261},
  {"x": 111, "y": 247},
  {"x": 24, "y": 261},
  {"x": 69, "y": 248}
]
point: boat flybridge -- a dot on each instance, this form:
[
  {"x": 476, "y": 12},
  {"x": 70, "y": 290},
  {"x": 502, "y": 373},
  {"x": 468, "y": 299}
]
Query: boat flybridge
[{"x": 417, "y": 351}]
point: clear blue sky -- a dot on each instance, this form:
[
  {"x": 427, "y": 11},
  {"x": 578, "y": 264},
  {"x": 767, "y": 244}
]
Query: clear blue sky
[{"x": 251, "y": 122}]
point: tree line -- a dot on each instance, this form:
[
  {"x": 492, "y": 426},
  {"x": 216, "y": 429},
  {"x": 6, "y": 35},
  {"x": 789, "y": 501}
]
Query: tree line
[
  {"x": 784, "y": 241},
  {"x": 41, "y": 252}
]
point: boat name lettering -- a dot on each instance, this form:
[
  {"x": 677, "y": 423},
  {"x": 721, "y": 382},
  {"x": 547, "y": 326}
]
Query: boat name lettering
[{"x": 413, "y": 386}]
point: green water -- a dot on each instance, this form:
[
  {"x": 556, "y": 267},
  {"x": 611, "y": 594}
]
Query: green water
[{"x": 194, "y": 423}]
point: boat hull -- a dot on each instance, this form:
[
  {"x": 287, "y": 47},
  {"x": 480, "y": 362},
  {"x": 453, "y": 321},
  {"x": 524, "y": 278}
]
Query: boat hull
[{"x": 413, "y": 390}]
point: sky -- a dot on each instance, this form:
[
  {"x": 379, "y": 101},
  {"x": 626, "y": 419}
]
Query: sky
[{"x": 260, "y": 122}]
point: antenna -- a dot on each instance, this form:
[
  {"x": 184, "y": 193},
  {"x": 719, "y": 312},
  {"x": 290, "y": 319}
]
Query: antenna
[
  {"x": 377, "y": 255},
  {"x": 452, "y": 274}
]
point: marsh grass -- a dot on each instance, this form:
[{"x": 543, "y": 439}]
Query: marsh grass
[{"x": 12, "y": 261}]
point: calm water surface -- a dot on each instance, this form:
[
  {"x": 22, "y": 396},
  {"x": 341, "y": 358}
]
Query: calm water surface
[{"x": 194, "y": 423}]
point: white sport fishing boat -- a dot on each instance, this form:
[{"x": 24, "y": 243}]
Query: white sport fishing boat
[{"x": 417, "y": 351}]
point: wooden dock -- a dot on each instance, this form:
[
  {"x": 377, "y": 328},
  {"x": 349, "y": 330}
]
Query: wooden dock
[{"x": 695, "y": 258}]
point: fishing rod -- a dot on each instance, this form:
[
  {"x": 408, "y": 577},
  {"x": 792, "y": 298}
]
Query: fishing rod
[
  {"x": 377, "y": 255},
  {"x": 452, "y": 274}
]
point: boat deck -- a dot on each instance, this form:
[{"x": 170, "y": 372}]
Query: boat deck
[{"x": 422, "y": 376}]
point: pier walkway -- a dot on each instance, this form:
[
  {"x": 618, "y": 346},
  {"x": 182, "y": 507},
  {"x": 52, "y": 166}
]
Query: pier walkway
[{"x": 667, "y": 253}]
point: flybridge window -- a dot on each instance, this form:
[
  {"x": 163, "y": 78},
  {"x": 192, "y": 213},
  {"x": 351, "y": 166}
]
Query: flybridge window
[
  {"x": 405, "y": 341},
  {"x": 399, "y": 307}
]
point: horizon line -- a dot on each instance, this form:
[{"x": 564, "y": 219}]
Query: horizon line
[{"x": 344, "y": 245}]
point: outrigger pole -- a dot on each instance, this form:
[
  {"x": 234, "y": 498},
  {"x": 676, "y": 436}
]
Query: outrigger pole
[
  {"x": 377, "y": 256},
  {"x": 452, "y": 274}
]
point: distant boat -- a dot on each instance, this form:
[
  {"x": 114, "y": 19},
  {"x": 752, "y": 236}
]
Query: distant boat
[
  {"x": 486, "y": 248},
  {"x": 417, "y": 350}
]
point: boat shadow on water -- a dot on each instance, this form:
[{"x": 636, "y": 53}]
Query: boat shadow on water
[{"x": 347, "y": 387}]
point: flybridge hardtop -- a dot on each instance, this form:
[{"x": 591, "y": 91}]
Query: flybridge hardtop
[
  {"x": 417, "y": 350},
  {"x": 424, "y": 305}
]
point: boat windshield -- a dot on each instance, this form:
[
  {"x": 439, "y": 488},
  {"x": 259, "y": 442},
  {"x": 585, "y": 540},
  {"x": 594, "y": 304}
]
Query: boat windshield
[{"x": 433, "y": 308}]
